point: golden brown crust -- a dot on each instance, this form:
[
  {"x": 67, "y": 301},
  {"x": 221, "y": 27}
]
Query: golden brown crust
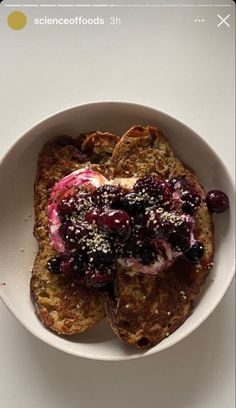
[
  {"x": 64, "y": 306},
  {"x": 148, "y": 309}
]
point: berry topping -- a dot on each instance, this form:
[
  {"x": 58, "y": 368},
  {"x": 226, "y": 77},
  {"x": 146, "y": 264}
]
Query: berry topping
[
  {"x": 53, "y": 265},
  {"x": 147, "y": 255},
  {"x": 156, "y": 189},
  {"x": 180, "y": 237},
  {"x": 161, "y": 223},
  {"x": 217, "y": 201},
  {"x": 74, "y": 235},
  {"x": 133, "y": 203},
  {"x": 190, "y": 201},
  {"x": 116, "y": 222},
  {"x": 67, "y": 265},
  {"x": 98, "y": 278},
  {"x": 195, "y": 253},
  {"x": 66, "y": 206},
  {"x": 148, "y": 184},
  {"x": 108, "y": 195},
  {"x": 135, "y": 242},
  {"x": 93, "y": 215},
  {"x": 93, "y": 224},
  {"x": 79, "y": 263},
  {"x": 102, "y": 254},
  {"x": 72, "y": 264}
]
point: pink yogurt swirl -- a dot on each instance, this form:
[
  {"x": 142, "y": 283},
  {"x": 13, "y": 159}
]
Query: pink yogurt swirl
[{"x": 83, "y": 177}]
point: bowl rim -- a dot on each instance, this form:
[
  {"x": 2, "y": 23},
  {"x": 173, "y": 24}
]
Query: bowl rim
[{"x": 161, "y": 346}]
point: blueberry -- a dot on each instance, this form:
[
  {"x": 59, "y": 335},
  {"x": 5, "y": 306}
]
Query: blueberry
[
  {"x": 53, "y": 265},
  {"x": 195, "y": 253}
]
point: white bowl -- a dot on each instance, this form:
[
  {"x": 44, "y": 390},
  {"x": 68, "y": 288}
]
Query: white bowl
[{"x": 17, "y": 245}]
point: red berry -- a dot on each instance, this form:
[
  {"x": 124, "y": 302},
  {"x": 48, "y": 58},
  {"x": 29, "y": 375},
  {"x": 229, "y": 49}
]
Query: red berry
[
  {"x": 93, "y": 215},
  {"x": 117, "y": 223},
  {"x": 217, "y": 201}
]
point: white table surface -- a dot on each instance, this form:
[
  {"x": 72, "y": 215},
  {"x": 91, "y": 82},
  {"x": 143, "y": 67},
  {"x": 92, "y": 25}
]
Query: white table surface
[{"x": 162, "y": 58}]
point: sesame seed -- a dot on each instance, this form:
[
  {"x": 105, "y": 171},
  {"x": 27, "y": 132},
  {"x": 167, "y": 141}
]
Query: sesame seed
[
  {"x": 168, "y": 313},
  {"x": 144, "y": 297},
  {"x": 127, "y": 306},
  {"x": 167, "y": 334},
  {"x": 156, "y": 311}
]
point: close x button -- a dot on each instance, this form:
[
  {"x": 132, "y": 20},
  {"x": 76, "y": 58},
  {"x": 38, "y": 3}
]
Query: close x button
[{"x": 223, "y": 20}]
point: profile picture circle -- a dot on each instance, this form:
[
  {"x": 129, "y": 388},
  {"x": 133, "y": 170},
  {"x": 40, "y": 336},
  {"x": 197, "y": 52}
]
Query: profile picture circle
[{"x": 17, "y": 20}]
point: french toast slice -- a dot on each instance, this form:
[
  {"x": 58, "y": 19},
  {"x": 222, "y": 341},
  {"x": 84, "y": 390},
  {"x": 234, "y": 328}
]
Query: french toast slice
[
  {"x": 62, "y": 305},
  {"x": 147, "y": 309}
]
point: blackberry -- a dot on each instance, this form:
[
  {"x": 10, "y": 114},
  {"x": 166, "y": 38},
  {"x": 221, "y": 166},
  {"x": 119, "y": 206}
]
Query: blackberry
[
  {"x": 73, "y": 233},
  {"x": 190, "y": 201},
  {"x": 158, "y": 190},
  {"x": 148, "y": 184},
  {"x": 108, "y": 195},
  {"x": 104, "y": 254},
  {"x": 133, "y": 203},
  {"x": 160, "y": 224}
]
